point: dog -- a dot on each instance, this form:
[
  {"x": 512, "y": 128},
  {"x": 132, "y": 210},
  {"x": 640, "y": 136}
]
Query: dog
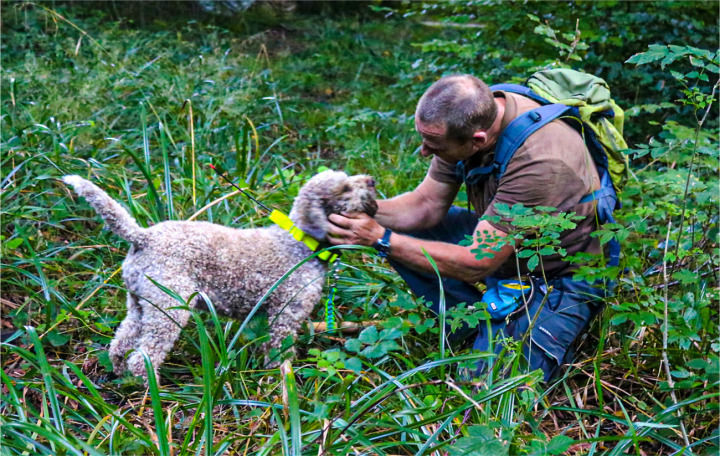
[{"x": 234, "y": 268}]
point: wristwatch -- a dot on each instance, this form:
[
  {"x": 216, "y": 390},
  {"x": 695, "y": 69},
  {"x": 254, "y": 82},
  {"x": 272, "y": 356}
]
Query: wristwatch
[{"x": 383, "y": 245}]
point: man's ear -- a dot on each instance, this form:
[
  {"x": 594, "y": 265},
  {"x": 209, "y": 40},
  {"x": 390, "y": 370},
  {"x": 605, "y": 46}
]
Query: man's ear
[{"x": 480, "y": 139}]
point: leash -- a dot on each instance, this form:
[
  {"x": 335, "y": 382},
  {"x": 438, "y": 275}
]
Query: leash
[
  {"x": 284, "y": 222},
  {"x": 241, "y": 190}
]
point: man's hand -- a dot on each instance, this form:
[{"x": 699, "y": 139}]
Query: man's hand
[{"x": 355, "y": 228}]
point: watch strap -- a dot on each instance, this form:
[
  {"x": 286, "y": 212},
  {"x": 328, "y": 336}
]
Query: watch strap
[{"x": 382, "y": 245}]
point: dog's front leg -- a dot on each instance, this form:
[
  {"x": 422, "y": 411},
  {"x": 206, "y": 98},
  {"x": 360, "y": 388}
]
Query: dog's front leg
[
  {"x": 284, "y": 321},
  {"x": 272, "y": 349}
]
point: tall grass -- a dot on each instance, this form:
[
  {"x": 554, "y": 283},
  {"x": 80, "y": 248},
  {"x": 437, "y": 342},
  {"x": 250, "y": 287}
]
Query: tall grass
[{"x": 143, "y": 113}]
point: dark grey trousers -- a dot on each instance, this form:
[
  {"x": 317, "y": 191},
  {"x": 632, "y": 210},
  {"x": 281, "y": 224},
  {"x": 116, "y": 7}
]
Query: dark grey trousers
[{"x": 565, "y": 314}]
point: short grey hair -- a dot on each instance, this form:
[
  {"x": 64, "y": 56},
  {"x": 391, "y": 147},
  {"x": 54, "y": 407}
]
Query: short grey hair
[{"x": 462, "y": 103}]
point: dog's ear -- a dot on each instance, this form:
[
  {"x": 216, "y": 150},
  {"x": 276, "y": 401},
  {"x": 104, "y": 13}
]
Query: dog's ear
[
  {"x": 313, "y": 220},
  {"x": 309, "y": 210}
]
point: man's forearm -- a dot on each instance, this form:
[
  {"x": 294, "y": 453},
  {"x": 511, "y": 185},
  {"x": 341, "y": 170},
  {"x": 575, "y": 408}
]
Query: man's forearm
[
  {"x": 419, "y": 209},
  {"x": 404, "y": 214},
  {"x": 452, "y": 261},
  {"x": 394, "y": 214}
]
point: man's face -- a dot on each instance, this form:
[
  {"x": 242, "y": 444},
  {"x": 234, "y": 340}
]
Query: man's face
[{"x": 435, "y": 142}]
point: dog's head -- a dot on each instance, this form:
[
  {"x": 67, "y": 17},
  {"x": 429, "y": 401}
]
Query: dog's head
[{"x": 332, "y": 192}]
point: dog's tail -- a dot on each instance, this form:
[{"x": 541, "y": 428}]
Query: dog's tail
[{"x": 116, "y": 217}]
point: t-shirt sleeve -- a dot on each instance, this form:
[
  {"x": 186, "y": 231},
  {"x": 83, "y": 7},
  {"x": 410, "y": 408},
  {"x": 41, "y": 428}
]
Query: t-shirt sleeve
[{"x": 442, "y": 171}]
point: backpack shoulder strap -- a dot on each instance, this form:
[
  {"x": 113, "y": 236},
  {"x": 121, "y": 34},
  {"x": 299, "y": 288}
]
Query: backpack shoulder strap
[
  {"x": 520, "y": 129},
  {"x": 510, "y": 140}
]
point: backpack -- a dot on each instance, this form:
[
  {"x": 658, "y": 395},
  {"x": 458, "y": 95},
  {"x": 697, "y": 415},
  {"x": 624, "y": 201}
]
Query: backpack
[{"x": 583, "y": 102}]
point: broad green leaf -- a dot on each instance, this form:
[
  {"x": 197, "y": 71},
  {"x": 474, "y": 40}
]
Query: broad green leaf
[
  {"x": 389, "y": 345},
  {"x": 481, "y": 432},
  {"x": 698, "y": 363},
  {"x": 473, "y": 446},
  {"x": 332, "y": 355},
  {"x": 13, "y": 243},
  {"x": 389, "y": 334},
  {"x": 697, "y": 62},
  {"x": 533, "y": 262},
  {"x": 57, "y": 338},
  {"x": 685, "y": 276},
  {"x": 353, "y": 345},
  {"x": 559, "y": 444},
  {"x": 655, "y": 52},
  {"x": 354, "y": 364},
  {"x": 373, "y": 351},
  {"x": 369, "y": 335}
]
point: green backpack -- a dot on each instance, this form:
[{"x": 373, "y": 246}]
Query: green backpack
[{"x": 591, "y": 96}]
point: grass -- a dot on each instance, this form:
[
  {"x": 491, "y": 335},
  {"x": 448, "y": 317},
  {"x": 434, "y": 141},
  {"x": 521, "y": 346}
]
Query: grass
[{"x": 143, "y": 111}]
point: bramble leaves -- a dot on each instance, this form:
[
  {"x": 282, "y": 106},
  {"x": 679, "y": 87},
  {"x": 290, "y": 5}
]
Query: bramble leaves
[
  {"x": 558, "y": 445},
  {"x": 668, "y": 54},
  {"x": 537, "y": 228}
]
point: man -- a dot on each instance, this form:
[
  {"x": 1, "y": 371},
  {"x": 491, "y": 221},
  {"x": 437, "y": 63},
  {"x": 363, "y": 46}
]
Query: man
[{"x": 461, "y": 120}]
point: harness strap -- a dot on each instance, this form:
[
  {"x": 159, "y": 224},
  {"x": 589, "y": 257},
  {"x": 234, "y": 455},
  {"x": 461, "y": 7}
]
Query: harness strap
[
  {"x": 475, "y": 175},
  {"x": 597, "y": 194},
  {"x": 606, "y": 198},
  {"x": 284, "y": 222}
]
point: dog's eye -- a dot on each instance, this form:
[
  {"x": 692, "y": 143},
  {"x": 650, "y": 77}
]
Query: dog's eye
[{"x": 346, "y": 188}]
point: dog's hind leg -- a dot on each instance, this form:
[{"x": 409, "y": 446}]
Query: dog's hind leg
[{"x": 126, "y": 337}]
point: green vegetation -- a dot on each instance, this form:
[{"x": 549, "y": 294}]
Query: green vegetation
[{"x": 271, "y": 98}]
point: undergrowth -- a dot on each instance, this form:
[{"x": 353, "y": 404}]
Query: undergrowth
[{"x": 143, "y": 111}]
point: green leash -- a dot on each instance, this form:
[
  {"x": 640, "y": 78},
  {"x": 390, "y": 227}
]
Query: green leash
[{"x": 331, "y": 325}]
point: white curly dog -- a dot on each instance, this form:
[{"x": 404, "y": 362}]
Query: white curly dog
[{"x": 233, "y": 267}]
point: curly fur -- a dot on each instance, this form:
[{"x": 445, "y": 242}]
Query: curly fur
[{"x": 233, "y": 267}]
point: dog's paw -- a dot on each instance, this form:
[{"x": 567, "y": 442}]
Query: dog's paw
[{"x": 118, "y": 364}]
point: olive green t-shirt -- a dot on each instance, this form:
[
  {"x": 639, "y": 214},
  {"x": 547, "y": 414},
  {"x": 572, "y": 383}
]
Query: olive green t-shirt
[{"x": 552, "y": 168}]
